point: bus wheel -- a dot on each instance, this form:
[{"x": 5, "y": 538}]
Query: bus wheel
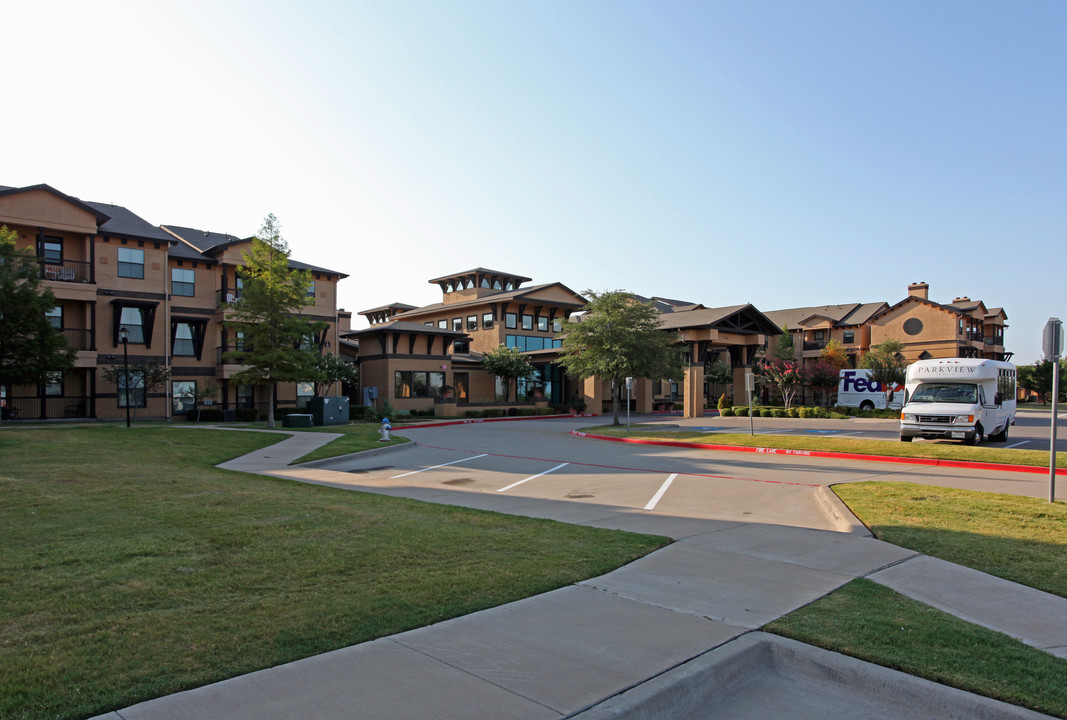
[
  {"x": 866, "y": 405},
  {"x": 977, "y": 435}
]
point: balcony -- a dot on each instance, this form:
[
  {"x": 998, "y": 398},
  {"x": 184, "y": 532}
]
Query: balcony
[
  {"x": 814, "y": 344},
  {"x": 221, "y": 351},
  {"x": 34, "y": 407},
  {"x": 79, "y": 339},
  {"x": 224, "y": 298},
  {"x": 72, "y": 271}
]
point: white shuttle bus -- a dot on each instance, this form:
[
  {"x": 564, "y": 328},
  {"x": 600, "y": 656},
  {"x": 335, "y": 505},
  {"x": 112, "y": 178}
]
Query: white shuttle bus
[
  {"x": 856, "y": 389},
  {"x": 958, "y": 399}
]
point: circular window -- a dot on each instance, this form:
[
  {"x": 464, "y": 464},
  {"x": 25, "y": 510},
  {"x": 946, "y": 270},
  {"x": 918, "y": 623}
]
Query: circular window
[{"x": 913, "y": 326}]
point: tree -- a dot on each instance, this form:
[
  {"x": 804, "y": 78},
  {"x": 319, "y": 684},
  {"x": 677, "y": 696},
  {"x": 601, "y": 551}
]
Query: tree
[
  {"x": 786, "y": 374},
  {"x": 276, "y": 344},
  {"x": 199, "y": 393},
  {"x": 31, "y": 349},
  {"x": 145, "y": 377},
  {"x": 717, "y": 373},
  {"x": 1037, "y": 378},
  {"x": 779, "y": 366},
  {"x": 823, "y": 375},
  {"x": 330, "y": 369},
  {"x": 886, "y": 363},
  {"x": 508, "y": 364},
  {"x": 618, "y": 337},
  {"x": 835, "y": 355}
]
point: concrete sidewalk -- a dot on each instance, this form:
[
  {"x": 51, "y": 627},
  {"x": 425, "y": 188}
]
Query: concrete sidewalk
[{"x": 642, "y": 641}]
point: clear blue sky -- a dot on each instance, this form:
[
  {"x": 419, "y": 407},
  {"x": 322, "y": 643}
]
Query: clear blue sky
[{"x": 780, "y": 153}]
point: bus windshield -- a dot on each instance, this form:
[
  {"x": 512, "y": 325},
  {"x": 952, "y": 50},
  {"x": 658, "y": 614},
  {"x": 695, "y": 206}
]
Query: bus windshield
[{"x": 946, "y": 393}]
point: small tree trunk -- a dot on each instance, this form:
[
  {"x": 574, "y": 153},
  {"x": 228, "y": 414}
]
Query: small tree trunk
[
  {"x": 615, "y": 402},
  {"x": 270, "y": 405}
]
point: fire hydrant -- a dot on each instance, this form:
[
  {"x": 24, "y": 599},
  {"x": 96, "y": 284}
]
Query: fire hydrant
[{"x": 384, "y": 430}]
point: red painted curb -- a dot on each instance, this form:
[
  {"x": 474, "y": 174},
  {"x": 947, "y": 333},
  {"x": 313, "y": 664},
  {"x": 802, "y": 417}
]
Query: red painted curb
[
  {"x": 468, "y": 421},
  {"x": 825, "y": 454}
]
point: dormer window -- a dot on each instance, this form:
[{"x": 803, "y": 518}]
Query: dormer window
[
  {"x": 470, "y": 283},
  {"x": 497, "y": 285},
  {"x": 509, "y": 286},
  {"x": 448, "y": 287},
  {"x": 485, "y": 283}
]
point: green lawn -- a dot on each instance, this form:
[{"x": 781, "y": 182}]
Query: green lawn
[
  {"x": 932, "y": 451},
  {"x": 872, "y": 622},
  {"x": 133, "y": 568},
  {"x": 1017, "y": 538}
]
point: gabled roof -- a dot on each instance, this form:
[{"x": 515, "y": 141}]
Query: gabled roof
[
  {"x": 101, "y": 217},
  {"x": 123, "y": 222},
  {"x": 478, "y": 271},
  {"x": 501, "y": 296},
  {"x": 930, "y": 303},
  {"x": 742, "y": 319},
  {"x": 212, "y": 244},
  {"x": 399, "y": 306},
  {"x": 186, "y": 252},
  {"x": 839, "y": 315}
]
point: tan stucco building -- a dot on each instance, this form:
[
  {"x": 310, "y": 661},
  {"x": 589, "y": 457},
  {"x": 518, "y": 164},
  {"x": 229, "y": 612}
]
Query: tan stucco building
[{"x": 170, "y": 287}]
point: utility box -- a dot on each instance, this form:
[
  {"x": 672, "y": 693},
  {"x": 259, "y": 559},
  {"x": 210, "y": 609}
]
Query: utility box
[
  {"x": 329, "y": 410},
  {"x": 296, "y": 420}
]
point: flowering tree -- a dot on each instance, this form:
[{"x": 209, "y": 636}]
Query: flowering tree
[
  {"x": 887, "y": 366},
  {"x": 823, "y": 376},
  {"x": 787, "y": 375}
]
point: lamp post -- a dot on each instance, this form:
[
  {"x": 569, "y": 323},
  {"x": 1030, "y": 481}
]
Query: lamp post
[{"x": 124, "y": 338}]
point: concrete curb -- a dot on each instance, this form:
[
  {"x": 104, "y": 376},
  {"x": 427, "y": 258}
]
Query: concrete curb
[
  {"x": 760, "y": 675},
  {"x": 327, "y": 463},
  {"x": 843, "y": 519},
  {"x": 964, "y": 464}
]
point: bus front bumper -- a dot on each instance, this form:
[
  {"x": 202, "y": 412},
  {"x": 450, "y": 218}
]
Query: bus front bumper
[{"x": 938, "y": 432}]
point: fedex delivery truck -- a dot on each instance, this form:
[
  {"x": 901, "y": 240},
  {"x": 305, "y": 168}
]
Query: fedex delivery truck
[
  {"x": 856, "y": 389},
  {"x": 958, "y": 399}
]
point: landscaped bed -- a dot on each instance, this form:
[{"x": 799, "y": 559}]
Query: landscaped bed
[{"x": 133, "y": 568}]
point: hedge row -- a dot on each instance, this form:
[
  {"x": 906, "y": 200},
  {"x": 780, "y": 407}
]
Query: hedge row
[{"x": 777, "y": 412}]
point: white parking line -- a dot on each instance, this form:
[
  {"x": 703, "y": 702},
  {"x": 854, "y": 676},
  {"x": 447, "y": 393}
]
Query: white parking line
[
  {"x": 413, "y": 472},
  {"x": 659, "y": 493},
  {"x": 532, "y": 477},
  {"x": 1016, "y": 444}
]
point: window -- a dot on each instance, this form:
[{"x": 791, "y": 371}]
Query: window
[
  {"x": 472, "y": 322},
  {"x": 52, "y": 250},
  {"x": 132, "y": 319},
  {"x": 820, "y": 335},
  {"x": 133, "y": 395},
  {"x": 484, "y": 283},
  {"x": 311, "y": 289},
  {"x": 487, "y": 321},
  {"x": 429, "y": 323},
  {"x": 850, "y": 336},
  {"x": 497, "y": 285},
  {"x": 527, "y": 322},
  {"x": 526, "y": 343},
  {"x": 460, "y": 347},
  {"x": 183, "y": 340},
  {"x": 511, "y": 321},
  {"x": 246, "y": 396},
  {"x": 542, "y": 324},
  {"x": 457, "y": 324},
  {"x": 557, "y": 325},
  {"x": 304, "y": 392},
  {"x": 55, "y": 316},
  {"x": 443, "y": 324},
  {"x": 417, "y": 384},
  {"x": 181, "y": 396},
  {"x": 182, "y": 282},
  {"x": 131, "y": 263},
  {"x": 53, "y": 387}
]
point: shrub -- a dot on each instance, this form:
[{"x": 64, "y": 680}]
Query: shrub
[
  {"x": 778, "y": 412},
  {"x": 819, "y": 412},
  {"x": 741, "y": 411},
  {"x": 547, "y": 411},
  {"x": 793, "y": 412},
  {"x": 473, "y": 413},
  {"x": 838, "y": 416},
  {"x": 727, "y": 412},
  {"x": 766, "y": 412},
  {"x": 804, "y": 412},
  {"x": 723, "y": 403},
  {"x": 493, "y": 412}
]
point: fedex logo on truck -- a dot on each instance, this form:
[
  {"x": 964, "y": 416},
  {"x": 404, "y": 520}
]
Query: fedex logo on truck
[{"x": 853, "y": 381}]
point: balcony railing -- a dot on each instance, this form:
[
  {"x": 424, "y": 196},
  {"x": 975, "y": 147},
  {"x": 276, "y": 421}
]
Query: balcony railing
[
  {"x": 227, "y": 297},
  {"x": 74, "y": 271},
  {"x": 79, "y": 339},
  {"x": 48, "y": 408},
  {"x": 814, "y": 344},
  {"x": 222, "y": 349}
]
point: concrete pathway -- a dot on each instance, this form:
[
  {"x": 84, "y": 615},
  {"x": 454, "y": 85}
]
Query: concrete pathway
[{"x": 642, "y": 641}]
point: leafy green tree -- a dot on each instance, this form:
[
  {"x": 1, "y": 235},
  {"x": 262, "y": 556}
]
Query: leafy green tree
[
  {"x": 508, "y": 364},
  {"x": 1037, "y": 378},
  {"x": 330, "y": 369},
  {"x": 31, "y": 349},
  {"x": 823, "y": 375},
  {"x": 145, "y": 377},
  {"x": 785, "y": 373},
  {"x": 835, "y": 355},
  {"x": 276, "y": 339},
  {"x": 618, "y": 337},
  {"x": 887, "y": 366},
  {"x": 717, "y": 373}
]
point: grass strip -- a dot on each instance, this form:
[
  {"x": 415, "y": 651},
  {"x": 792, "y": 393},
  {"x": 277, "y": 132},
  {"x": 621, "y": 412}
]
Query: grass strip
[
  {"x": 871, "y": 622},
  {"x": 1017, "y": 538},
  {"x": 930, "y": 451},
  {"x": 355, "y": 438},
  {"x": 132, "y": 568}
]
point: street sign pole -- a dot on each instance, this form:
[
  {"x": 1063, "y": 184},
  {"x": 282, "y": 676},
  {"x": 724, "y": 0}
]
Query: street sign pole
[
  {"x": 750, "y": 383},
  {"x": 629, "y": 387},
  {"x": 1052, "y": 344}
]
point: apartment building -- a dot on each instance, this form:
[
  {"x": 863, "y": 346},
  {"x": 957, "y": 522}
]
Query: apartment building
[
  {"x": 171, "y": 288},
  {"x": 422, "y": 358},
  {"x": 928, "y": 329}
]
